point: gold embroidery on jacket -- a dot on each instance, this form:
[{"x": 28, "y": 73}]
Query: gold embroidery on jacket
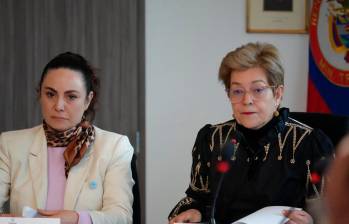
[
  {"x": 282, "y": 143},
  {"x": 219, "y": 128},
  {"x": 183, "y": 202},
  {"x": 296, "y": 139},
  {"x": 310, "y": 180},
  {"x": 199, "y": 182},
  {"x": 226, "y": 137},
  {"x": 236, "y": 146},
  {"x": 203, "y": 184},
  {"x": 266, "y": 149}
]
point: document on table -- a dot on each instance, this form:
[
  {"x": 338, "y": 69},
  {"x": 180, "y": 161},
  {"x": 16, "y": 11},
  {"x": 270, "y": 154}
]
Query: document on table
[
  {"x": 267, "y": 215},
  {"x": 17, "y": 220}
]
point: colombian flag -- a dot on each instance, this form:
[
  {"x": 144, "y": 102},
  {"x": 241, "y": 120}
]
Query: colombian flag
[{"x": 328, "y": 85}]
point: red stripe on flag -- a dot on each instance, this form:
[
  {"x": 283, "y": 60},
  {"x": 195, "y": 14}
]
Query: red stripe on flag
[{"x": 315, "y": 102}]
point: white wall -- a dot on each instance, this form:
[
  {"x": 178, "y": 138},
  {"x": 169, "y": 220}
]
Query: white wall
[{"x": 185, "y": 42}]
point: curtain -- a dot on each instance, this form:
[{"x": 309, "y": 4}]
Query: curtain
[
  {"x": 108, "y": 33},
  {"x": 105, "y": 32}
]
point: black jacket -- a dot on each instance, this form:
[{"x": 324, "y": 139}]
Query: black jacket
[{"x": 269, "y": 166}]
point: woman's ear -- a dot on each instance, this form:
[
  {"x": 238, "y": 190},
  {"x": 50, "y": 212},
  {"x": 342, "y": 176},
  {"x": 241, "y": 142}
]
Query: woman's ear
[
  {"x": 279, "y": 93},
  {"x": 89, "y": 99}
]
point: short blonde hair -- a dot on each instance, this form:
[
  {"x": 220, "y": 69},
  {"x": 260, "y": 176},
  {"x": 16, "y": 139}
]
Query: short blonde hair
[{"x": 252, "y": 55}]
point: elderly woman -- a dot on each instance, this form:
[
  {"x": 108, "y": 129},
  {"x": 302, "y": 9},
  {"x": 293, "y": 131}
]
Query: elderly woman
[
  {"x": 67, "y": 168},
  {"x": 272, "y": 156}
]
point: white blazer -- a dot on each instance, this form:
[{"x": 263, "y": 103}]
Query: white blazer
[{"x": 100, "y": 184}]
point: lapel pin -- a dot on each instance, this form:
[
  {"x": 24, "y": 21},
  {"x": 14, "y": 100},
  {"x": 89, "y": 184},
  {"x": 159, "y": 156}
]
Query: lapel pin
[{"x": 93, "y": 184}]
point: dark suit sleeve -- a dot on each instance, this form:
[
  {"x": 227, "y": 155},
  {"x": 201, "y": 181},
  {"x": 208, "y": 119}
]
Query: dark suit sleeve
[
  {"x": 322, "y": 151},
  {"x": 198, "y": 193}
]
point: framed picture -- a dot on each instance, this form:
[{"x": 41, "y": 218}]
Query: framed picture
[{"x": 277, "y": 16}]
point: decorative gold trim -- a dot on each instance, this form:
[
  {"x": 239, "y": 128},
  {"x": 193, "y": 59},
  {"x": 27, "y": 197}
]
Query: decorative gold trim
[
  {"x": 296, "y": 144},
  {"x": 181, "y": 203},
  {"x": 236, "y": 146},
  {"x": 219, "y": 128},
  {"x": 298, "y": 125},
  {"x": 293, "y": 127},
  {"x": 212, "y": 139},
  {"x": 226, "y": 137},
  {"x": 301, "y": 138},
  {"x": 309, "y": 179},
  {"x": 266, "y": 150},
  {"x": 308, "y": 172},
  {"x": 282, "y": 143},
  {"x": 195, "y": 175},
  {"x": 220, "y": 136}
]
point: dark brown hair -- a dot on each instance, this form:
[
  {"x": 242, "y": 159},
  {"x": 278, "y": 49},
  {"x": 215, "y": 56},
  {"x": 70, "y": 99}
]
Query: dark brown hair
[{"x": 78, "y": 63}]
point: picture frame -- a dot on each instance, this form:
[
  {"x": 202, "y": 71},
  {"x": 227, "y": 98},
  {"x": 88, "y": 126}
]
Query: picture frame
[{"x": 277, "y": 16}]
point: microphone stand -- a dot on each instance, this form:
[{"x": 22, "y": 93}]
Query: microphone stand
[
  {"x": 222, "y": 168},
  {"x": 213, "y": 209}
]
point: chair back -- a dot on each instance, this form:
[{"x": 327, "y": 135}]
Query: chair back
[
  {"x": 135, "y": 190},
  {"x": 334, "y": 126}
]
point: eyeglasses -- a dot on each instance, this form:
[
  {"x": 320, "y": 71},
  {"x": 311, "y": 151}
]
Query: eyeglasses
[{"x": 236, "y": 94}]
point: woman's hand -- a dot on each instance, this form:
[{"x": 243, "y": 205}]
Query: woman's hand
[
  {"x": 66, "y": 216},
  {"x": 298, "y": 217},
  {"x": 191, "y": 215}
]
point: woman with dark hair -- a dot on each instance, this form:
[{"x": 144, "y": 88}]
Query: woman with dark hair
[
  {"x": 67, "y": 168},
  {"x": 272, "y": 154}
]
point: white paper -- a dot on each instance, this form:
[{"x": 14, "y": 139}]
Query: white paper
[
  {"x": 266, "y": 215},
  {"x": 29, "y": 212},
  {"x": 15, "y": 220}
]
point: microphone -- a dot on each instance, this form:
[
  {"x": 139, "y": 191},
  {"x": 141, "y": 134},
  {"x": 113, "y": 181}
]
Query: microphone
[
  {"x": 222, "y": 167},
  {"x": 319, "y": 169}
]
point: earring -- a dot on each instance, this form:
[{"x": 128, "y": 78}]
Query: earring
[
  {"x": 233, "y": 116},
  {"x": 276, "y": 113}
]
